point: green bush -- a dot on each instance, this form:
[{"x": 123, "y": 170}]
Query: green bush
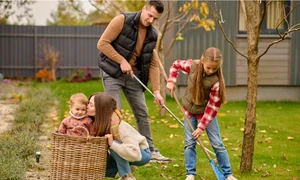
[
  {"x": 15, "y": 150},
  {"x": 33, "y": 108}
]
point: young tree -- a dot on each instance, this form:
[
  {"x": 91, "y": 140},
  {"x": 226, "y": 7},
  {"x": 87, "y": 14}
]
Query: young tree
[
  {"x": 191, "y": 14},
  {"x": 69, "y": 14},
  {"x": 255, "y": 12}
]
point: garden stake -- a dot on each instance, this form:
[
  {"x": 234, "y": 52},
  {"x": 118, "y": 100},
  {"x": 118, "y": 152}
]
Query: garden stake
[{"x": 216, "y": 169}]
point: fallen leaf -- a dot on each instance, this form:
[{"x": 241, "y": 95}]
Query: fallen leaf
[
  {"x": 171, "y": 136},
  {"x": 242, "y": 129},
  {"x": 274, "y": 166},
  {"x": 285, "y": 157},
  {"x": 225, "y": 139},
  {"x": 290, "y": 138},
  {"x": 175, "y": 165},
  {"x": 163, "y": 175},
  {"x": 266, "y": 174},
  {"x": 148, "y": 165},
  {"x": 262, "y": 131},
  {"x": 164, "y": 167},
  {"x": 268, "y": 140},
  {"x": 221, "y": 114},
  {"x": 235, "y": 149},
  {"x": 55, "y": 118},
  {"x": 174, "y": 126}
]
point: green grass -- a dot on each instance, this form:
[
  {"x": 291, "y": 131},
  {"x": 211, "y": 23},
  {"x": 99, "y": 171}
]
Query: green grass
[{"x": 275, "y": 156}]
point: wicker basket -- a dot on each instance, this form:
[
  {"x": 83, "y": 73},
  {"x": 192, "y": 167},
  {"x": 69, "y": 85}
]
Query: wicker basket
[{"x": 75, "y": 157}]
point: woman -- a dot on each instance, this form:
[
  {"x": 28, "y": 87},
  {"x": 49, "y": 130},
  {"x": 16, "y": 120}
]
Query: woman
[{"x": 127, "y": 146}]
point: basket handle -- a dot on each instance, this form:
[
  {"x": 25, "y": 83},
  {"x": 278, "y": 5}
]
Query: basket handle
[{"x": 81, "y": 127}]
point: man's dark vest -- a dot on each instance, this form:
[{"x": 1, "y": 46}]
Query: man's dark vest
[
  {"x": 208, "y": 82},
  {"x": 125, "y": 45}
]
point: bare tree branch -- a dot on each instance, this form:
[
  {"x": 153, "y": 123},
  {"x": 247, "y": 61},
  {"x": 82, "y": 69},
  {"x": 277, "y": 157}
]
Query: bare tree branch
[
  {"x": 164, "y": 27},
  {"x": 285, "y": 18},
  {"x": 173, "y": 40},
  {"x": 285, "y": 34},
  {"x": 215, "y": 14},
  {"x": 283, "y": 37}
]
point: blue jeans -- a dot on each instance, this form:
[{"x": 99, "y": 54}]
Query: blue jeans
[
  {"x": 213, "y": 133},
  {"x": 115, "y": 163},
  {"x": 134, "y": 94}
]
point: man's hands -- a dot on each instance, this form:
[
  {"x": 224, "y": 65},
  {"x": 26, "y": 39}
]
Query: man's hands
[
  {"x": 171, "y": 87},
  {"x": 159, "y": 100},
  {"x": 126, "y": 68}
]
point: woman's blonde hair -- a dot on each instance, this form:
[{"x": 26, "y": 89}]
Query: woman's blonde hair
[
  {"x": 211, "y": 54},
  {"x": 104, "y": 108}
]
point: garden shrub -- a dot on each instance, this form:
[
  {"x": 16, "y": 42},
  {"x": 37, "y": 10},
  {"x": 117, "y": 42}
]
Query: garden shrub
[
  {"x": 80, "y": 75},
  {"x": 18, "y": 146}
]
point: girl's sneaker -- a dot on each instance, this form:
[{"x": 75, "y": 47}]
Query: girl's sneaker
[
  {"x": 190, "y": 177},
  {"x": 231, "y": 177}
]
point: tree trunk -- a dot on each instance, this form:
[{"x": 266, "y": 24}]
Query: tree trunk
[
  {"x": 253, "y": 29},
  {"x": 162, "y": 110}
]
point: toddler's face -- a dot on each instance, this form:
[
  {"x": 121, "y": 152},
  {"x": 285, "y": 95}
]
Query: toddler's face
[{"x": 78, "y": 109}]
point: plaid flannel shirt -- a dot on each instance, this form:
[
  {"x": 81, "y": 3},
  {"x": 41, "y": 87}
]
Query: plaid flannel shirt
[{"x": 213, "y": 103}]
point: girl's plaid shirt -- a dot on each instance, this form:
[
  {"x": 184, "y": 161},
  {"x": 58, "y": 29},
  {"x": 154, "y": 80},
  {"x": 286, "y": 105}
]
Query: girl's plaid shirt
[{"x": 214, "y": 102}]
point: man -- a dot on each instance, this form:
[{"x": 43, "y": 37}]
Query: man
[{"x": 127, "y": 47}]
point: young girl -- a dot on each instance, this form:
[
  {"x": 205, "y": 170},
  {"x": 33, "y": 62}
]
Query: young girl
[
  {"x": 131, "y": 148},
  {"x": 203, "y": 97},
  {"x": 78, "y": 106}
]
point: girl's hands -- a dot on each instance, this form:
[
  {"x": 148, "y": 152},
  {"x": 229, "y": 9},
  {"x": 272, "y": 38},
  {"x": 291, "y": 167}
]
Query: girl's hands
[
  {"x": 109, "y": 139},
  {"x": 197, "y": 133},
  {"x": 171, "y": 87}
]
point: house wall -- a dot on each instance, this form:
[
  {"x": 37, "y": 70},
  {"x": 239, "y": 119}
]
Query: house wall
[
  {"x": 295, "y": 52},
  {"x": 274, "y": 67}
]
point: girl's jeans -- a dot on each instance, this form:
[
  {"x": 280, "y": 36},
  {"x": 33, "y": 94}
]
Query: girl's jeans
[
  {"x": 213, "y": 134},
  {"x": 115, "y": 163}
]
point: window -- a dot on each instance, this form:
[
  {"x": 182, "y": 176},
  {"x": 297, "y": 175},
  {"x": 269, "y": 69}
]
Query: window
[{"x": 276, "y": 10}]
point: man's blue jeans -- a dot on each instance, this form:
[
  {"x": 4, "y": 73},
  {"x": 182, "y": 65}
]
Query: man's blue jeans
[
  {"x": 213, "y": 133},
  {"x": 115, "y": 163}
]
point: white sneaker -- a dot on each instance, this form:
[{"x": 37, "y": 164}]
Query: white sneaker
[
  {"x": 156, "y": 156},
  {"x": 190, "y": 177},
  {"x": 231, "y": 177},
  {"x": 127, "y": 177}
]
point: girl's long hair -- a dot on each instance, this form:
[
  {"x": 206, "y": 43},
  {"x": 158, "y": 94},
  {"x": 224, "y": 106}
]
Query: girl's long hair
[
  {"x": 210, "y": 54},
  {"x": 104, "y": 108}
]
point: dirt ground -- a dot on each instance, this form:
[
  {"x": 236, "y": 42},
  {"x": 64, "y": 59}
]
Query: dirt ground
[{"x": 10, "y": 93}]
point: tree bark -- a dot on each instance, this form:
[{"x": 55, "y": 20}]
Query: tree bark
[
  {"x": 253, "y": 28},
  {"x": 162, "y": 110}
]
